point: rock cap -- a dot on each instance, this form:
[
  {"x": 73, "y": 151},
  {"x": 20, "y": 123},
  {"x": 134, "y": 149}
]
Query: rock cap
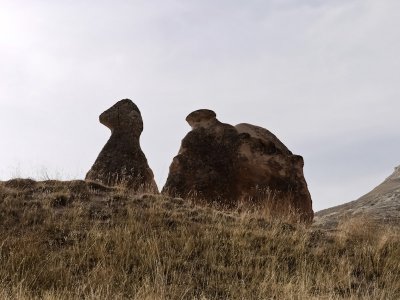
[
  {"x": 202, "y": 118},
  {"x": 123, "y": 115}
]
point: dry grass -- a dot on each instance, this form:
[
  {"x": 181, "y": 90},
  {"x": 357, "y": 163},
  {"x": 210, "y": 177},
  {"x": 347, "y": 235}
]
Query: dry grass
[{"x": 77, "y": 240}]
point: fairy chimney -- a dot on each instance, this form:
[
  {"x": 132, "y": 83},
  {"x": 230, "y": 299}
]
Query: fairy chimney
[
  {"x": 122, "y": 161},
  {"x": 229, "y": 165}
]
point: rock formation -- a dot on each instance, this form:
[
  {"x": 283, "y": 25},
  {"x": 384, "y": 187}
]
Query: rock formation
[
  {"x": 238, "y": 164},
  {"x": 382, "y": 205},
  {"x": 122, "y": 161}
]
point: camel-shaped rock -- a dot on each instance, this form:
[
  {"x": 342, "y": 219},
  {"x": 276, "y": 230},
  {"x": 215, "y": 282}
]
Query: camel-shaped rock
[{"x": 229, "y": 165}]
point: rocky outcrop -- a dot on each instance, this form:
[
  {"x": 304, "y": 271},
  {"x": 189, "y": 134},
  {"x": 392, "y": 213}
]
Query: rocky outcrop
[
  {"x": 238, "y": 164},
  {"x": 381, "y": 205},
  {"x": 122, "y": 161}
]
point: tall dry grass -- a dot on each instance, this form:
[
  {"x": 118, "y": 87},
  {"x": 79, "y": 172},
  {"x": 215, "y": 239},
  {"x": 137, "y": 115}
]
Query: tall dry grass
[{"x": 77, "y": 240}]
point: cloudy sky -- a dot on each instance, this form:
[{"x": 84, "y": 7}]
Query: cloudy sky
[{"x": 323, "y": 75}]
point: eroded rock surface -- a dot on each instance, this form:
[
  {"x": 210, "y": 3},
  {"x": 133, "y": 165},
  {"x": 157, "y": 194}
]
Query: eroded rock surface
[
  {"x": 238, "y": 164},
  {"x": 382, "y": 205},
  {"x": 122, "y": 161}
]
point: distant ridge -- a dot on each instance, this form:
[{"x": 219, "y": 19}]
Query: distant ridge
[{"x": 382, "y": 204}]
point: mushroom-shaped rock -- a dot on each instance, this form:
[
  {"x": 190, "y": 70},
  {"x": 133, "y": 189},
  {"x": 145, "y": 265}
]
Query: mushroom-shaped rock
[
  {"x": 229, "y": 165},
  {"x": 122, "y": 161}
]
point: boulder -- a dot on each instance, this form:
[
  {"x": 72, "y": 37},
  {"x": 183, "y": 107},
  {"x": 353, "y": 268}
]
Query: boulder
[
  {"x": 243, "y": 164},
  {"x": 122, "y": 161}
]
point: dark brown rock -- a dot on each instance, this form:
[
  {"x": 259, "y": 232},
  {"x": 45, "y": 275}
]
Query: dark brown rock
[
  {"x": 122, "y": 161},
  {"x": 243, "y": 164}
]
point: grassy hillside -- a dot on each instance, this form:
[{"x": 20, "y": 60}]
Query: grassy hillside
[{"x": 78, "y": 240}]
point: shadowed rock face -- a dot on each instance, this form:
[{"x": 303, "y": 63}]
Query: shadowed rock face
[
  {"x": 226, "y": 164},
  {"x": 122, "y": 161}
]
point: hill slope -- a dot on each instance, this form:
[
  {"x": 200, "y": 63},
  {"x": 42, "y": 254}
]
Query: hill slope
[
  {"x": 381, "y": 204},
  {"x": 82, "y": 240}
]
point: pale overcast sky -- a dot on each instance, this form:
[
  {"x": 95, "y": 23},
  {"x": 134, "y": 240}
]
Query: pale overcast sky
[{"x": 323, "y": 75}]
